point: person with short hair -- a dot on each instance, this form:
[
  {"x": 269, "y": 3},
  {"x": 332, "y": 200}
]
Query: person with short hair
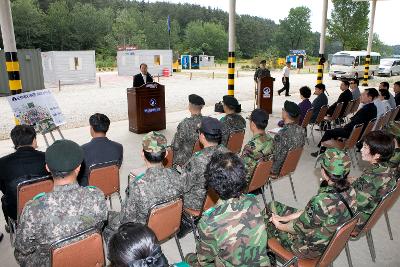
[
  {"x": 22, "y": 165},
  {"x": 345, "y": 97},
  {"x": 393, "y": 128},
  {"x": 186, "y": 135},
  {"x": 307, "y": 233},
  {"x": 285, "y": 79},
  {"x": 143, "y": 77},
  {"x": 384, "y": 97},
  {"x": 68, "y": 210},
  {"x": 261, "y": 144},
  {"x": 232, "y": 121},
  {"x": 232, "y": 233},
  {"x": 396, "y": 89},
  {"x": 304, "y": 105},
  {"x": 319, "y": 101},
  {"x": 385, "y": 86},
  {"x": 100, "y": 149},
  {"x": 291, "y": 136},
  {"x": 135, "y": 245},
  {"x": 156, "y": 184},
  {"x": 377, "y": 179},
  {"x": 355, "y": 91},
  {"x": 261, "y": 71}
]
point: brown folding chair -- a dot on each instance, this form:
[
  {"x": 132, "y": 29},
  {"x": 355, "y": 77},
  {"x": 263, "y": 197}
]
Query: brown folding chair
[
  {"x": 394, "y": 113},
  {"x": 335, "y": 246},
  {"x": 318, "y": 120},
  {"x": 197, "y": 146},
  {"x": 86, "y": 252},
  {"x": 392, "y": 198},
  {"x": 379, "y": 123},
  {"x": 348, "y": 144},
  {"x": 164, "y": 219},
  {"x": 348, "y": 109},
  {"x": 336, "y": 113},
  {"x": 194, "y": 215},
  {"x": 260, "y": 177},
  {"x": 105, "y": 176},
  {"x": 355, "y": 106},
  {"x": 26, "y": 190},
  {"x": 235, "y": 141},
  {"x": 385, "y": 203},
  {"x": 167, "y": 161},
  {"x": 306, "y": 121},
  {"x": 288, "y": 168},
  {"x": 386, "y": 118}
]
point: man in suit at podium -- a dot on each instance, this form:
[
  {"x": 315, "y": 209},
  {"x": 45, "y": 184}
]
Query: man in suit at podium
[{"x": 143, "y": 77}]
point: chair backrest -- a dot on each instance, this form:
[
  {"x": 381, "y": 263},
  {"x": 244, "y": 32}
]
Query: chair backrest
[
  {"x": 392, "y": 198},
  {"x": 394, "y": 113},
  {"x": 210, "y": 200},
  {"x": 337, "y": 111},
  {"x": 260, "y": 175},
  {"x": 235, "y": 141},
  {"x": 86, "y": 252},
  {"x": 105, "y": 176},
  {"x": 167, "y": 162},
  {"x": 197, "y": 146},
  {"x": 164, "y": 218},
  {"x": 354, "y": 136},
  {"x": 321, "y": 114},
  {"x": 26, "y": 190},
  {"x": 338, "y": 242},
  {"x": 307, "y": 118},
  {"x": 379, "y": 123},
  {"x": 369, "y": 128},
  {"x": 355, "y": 106},
  {"x": 348, "y": 109},
  {"x": 291, "y": 161},
  {"x": 386, "y": 118}
]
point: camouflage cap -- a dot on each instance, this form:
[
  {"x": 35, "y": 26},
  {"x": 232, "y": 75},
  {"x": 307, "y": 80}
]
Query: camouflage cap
[
  {"x": 154, "y": 142},
  {"x": 393, "y": 128},
  {"x": 335, "y": 161}
]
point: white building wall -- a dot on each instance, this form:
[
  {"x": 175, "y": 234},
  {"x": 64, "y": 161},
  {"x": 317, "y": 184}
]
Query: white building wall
[{"x": 129, "y": 61}]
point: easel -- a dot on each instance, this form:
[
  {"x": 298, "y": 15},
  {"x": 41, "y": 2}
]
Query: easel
[{"x": 50, "y": 131}]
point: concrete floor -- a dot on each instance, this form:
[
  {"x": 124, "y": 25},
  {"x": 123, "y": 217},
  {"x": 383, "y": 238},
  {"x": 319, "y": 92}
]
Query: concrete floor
[{"x": 305, "y": 182}]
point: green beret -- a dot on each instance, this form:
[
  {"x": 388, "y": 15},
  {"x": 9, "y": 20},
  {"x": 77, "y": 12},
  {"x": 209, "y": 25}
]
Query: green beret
[{"x": 64, "y": 156}]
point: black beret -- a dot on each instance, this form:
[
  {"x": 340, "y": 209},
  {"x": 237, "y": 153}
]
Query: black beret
[
  {"x": 259, "y": 116},
  {"x": 230, "y": 101},
  {"x": 292, "y": 108},
  {"x": 196, "y": 100},
  {"x": 64, "y": 156},
  {"x": 211, "y": 126},
  {"x": 263, "y": 62}
]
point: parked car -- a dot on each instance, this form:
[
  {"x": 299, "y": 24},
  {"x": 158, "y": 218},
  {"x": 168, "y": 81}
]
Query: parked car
[{"x": 389, "y": 67}]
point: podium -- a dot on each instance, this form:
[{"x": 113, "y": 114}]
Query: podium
[
  {"x": 265, "y": 93},
  {"x": 146, "y": 108}
]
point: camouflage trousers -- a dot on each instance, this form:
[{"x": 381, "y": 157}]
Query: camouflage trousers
[{"x": 286, "y": 239}]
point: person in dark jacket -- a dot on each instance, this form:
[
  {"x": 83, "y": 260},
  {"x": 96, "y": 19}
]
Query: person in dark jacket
[
  {"x": 346, "y": 96},
  {"x": 363, "y": 116},
  {"x": 143, "y": 77},
  {"x": 24, "y": 164},
  {"x": 319, "y": 101}
]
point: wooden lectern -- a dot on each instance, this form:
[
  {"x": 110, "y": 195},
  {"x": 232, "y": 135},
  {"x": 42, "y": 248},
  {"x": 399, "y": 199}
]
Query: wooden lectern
[
  {"x": 146, "y": 108},
  {"x": 265, "y": 93}
]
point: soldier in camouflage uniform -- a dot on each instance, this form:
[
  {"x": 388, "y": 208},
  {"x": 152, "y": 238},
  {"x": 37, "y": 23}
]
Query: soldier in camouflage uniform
[
  {"x": 377, "y": 179},
  {"x": 186, "y": 135},
  {"x": 233, "y": 121},
  {"x": 232, "y": 233},
  {"x": 291, "y": 136},
  {"x": 260, "y": 146},
  {"x": 393, "y": 128},
  {"x": 66, "y": 211},
  {"x": 155, "y": 185},
  {"x": 307, "y": 232},
  {"x": 193, "y": 171},
  {"x": 262, "y": 71}
]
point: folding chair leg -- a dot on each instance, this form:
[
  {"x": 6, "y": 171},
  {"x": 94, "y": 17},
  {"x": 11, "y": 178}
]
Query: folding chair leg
[
  {"x": 370, "y": 242},
  {"x": 179, "y": 247},
  {"x": 120, "y": 198},
  {"x": 312, "y": 133},
  {"x": 263, "y": 196},
  {"x": 12, "y": 225},
  {"x": 388, "y": 225},
  {"x": 291, "y": 183},
  {"x": 194, "y": 229},
  {"x": 348, "y": 255},
  {"x": 271, "y": 190},
  {"x": 109, "y": 198}
]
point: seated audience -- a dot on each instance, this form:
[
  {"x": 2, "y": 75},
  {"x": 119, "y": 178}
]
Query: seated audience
[
  {"x": 261, "y": 144},
  {"x": 304, "y": 105},
  {"x": 384, "y": 97},
  {"x": 385, "y": 86},
  {"x": 345, "y": 97},
  {"x": 396, "y": 89},
  {"x": 289, "y": 137},
  {"x": 319, "y": 101},
  {"x": 24, "y": 164},
  {"x": 355, "y": 91},
  {"x": 377, "y": 179},
  {"x": 394, "y": 129},
  {"x": 68, "y": 210},
  {"x": 232, "y": 233},
  {"x": 306, "y": 233},
  {"x": 233, "y": 121}
]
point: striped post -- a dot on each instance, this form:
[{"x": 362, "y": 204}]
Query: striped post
[
  {"x": 369, "y": 47},
  {"x": 366, "y": 70},
  {"x": 12, "y": 67},
  {"x": 320, "y": 69},
  {"x": 231, "y": 73}
]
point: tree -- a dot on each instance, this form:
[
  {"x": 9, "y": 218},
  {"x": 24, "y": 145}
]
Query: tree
[
  {"x": 58, "y": 22},
  {"x": 380, "y": 47},
  {"x": 349, "y": 24}
]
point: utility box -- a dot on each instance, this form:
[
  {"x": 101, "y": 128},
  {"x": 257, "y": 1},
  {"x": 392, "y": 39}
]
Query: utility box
[
  {"x": 185, "y": 62},
  {"x": 30, "y": 70},
  {"x": 69, "y": 67},
  {"x": 156, "y": 60},
  {"x": 206, "y": 62}
]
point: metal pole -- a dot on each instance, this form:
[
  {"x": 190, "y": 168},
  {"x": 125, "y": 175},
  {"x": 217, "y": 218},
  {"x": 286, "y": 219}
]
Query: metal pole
[
  {"x": 10, "y": 48},
  {"x": 370, "y": 38},
  {"x": 231, "y": 48},
  {"x": 320, "y": 74}
]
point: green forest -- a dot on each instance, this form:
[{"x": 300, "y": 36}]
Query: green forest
[{"x": 102, "y": 25}]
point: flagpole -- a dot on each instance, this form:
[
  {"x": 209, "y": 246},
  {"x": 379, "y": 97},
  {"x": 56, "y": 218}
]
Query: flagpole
[{"x": 169, "y": 32}]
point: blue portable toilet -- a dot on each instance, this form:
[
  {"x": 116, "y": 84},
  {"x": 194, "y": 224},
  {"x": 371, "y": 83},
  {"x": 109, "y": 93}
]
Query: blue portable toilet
[{"x": 185, "y": 62}]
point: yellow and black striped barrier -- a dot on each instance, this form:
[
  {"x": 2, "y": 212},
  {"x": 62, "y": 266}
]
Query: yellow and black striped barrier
[
  {"x": 231, "y": 73},
  {"x": 366, "y": 70},
  {"x": 320, "y": 69},
  {"x": 12, "y": 67}
]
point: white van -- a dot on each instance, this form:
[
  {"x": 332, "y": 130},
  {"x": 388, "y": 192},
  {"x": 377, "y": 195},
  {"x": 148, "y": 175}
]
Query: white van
[
  {"x": 389, "y": 67},
  {"x": 350, "y": 64}
]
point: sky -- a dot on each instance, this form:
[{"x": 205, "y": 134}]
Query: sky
[{"x": 386, "y": 16}]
